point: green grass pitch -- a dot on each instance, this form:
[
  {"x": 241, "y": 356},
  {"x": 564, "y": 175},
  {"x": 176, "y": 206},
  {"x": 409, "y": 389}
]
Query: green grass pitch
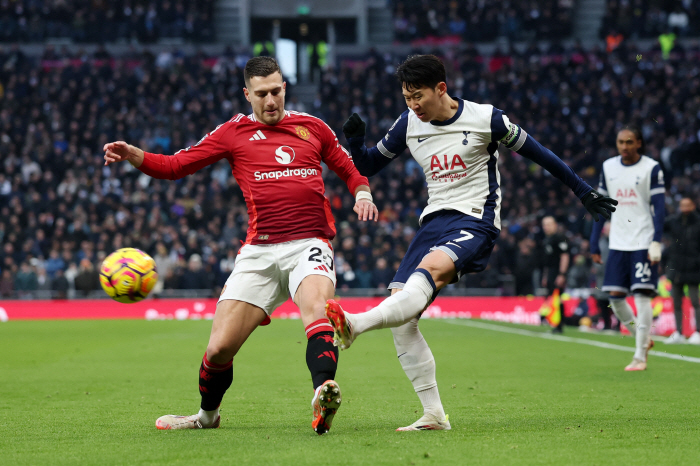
[{"x": 89, "y": 392}]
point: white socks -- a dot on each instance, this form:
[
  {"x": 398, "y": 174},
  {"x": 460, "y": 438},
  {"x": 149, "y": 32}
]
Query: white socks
[
  {"x": 430, "y": 399},
  {"x": 419, "y": 365},
  {"x": 624, "y": 313},
  {"x": 207, "y": 418},
  {"x": 644, "y": 318},
  {"x": 398, "y": 308}
]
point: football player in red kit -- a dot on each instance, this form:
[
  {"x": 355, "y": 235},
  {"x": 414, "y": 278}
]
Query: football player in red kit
[{"x": 275, "y": 156}]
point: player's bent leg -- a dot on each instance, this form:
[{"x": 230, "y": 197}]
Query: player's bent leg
[
  {"x": 234, "y": 321},
  {"x": 436, "y": 270},
  {"x": 321, "y": 354},
  {"x": 419, "y": 365}
]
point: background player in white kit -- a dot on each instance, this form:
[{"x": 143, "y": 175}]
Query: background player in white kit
[
  {"x": 455, "y": 142},
  {"x": 636, "y": 228},
  {"x": 275, "y": 156}
]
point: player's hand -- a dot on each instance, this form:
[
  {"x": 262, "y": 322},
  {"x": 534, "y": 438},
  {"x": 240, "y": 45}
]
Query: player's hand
[
  {"x": 120, "y": 151},
  {"x": 366, "y": 210},
  {"x": 354, "y": 127},
  {"x": 655, "y": 252},
  {"x": 597, "y": 258},
  {"x": 598, "y": 205}
]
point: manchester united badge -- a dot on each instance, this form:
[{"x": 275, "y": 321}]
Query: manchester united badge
[{"x": 302, "y": 132}]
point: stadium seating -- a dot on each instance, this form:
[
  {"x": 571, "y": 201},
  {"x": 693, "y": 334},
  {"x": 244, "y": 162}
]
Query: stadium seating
[
  {"x": 61, "y": 211},
  {"x": 649, "y": 18},
  {"x": 477, "y": 21},
  {"x": 106, "y": 21}
]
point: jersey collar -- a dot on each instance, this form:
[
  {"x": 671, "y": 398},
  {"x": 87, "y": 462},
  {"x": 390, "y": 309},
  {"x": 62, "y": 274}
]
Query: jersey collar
[
  {"x": 632, "y": 164},
  {"x": 454, "y": 117}
]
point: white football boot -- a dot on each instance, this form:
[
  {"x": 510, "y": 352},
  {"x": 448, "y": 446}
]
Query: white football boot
[
  {"x": 428, "y": 422},
  {"x": 172, "y": 422}
]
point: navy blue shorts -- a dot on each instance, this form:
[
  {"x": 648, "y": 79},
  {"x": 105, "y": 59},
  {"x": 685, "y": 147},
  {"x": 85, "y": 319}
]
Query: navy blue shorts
[
  {"x": 629, "y": 271},
  {"x": 466, "y": 239}
]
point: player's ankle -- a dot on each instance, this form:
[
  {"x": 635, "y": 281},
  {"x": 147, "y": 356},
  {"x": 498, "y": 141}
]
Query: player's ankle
[{"x": 207, "y": 418}]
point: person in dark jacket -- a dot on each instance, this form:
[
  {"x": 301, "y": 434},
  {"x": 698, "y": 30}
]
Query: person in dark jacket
[{"x": 684, "y": 263}]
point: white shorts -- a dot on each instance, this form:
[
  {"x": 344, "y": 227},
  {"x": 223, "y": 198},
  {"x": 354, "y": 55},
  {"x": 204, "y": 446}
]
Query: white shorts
[{"x": 265, "y": 275}]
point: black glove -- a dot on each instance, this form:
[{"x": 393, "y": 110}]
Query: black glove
[
  {"x": 354, "y": 127},
  {"x": 595, "y": 203}
]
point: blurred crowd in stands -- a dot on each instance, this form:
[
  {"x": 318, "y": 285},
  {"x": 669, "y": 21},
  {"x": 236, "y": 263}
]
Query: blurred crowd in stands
[
  {"x": 480, "y": 21},
  {"x": 103, "y": 21},
  {"x": 62, "y": 211},
  {"x": 651, "y": 18}
]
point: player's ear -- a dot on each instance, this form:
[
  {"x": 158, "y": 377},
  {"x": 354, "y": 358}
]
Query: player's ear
[
  {"x": 441, "y": 88},
  {"x": 246, "y": 93}
]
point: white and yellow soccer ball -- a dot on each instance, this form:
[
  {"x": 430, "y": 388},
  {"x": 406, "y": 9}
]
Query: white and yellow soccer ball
[{"x": 128, "y": 275}]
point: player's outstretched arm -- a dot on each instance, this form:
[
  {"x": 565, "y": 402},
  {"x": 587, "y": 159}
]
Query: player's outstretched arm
[
  {"x": 524, "y": 144},
  {"x": 370, "y": 161},
  {"x": 210, "y": 149},
  {"x": 120, "y": 151}
]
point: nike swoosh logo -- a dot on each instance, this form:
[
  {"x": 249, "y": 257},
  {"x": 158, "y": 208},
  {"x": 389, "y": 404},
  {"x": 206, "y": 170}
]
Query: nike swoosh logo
[
  {"x": 402, "y": 354},
  {"x": 421, "y": 140},
  {"x": 643, "y": 280}
]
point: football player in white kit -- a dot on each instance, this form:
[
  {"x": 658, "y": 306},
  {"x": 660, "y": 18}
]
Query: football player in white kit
[
  {"x": 637, "y": 182},
  {"x": 455, "y": 142}
]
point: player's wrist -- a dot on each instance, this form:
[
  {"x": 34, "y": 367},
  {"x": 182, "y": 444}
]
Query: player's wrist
[{"x": 363, "y": 195}]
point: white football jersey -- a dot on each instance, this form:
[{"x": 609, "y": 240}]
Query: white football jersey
[
  {"x": 459, "y": 158},
  {"x": 631, "y": 225}
]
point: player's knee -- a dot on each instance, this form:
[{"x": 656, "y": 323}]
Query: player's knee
[
  {"x": 645, "y": 293},
  {"x": 220, "y": 354}
]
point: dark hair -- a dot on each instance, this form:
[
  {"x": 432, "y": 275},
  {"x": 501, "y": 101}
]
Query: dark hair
[
  {"x": 260, "y": 66},
  {"x": 638, "y": 134},
  {"x": 421, "y": 70}
]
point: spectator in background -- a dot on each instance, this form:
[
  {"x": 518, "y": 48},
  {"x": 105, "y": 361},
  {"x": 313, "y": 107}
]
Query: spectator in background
[
  {"x": 25, "y": 280},
  {"x": 195, "y": 277},
  {"x": 87, "y": 279},
  {"x": 382, "y": 274},
  {"x": 7, "y": 285},
  {"x": 555, "y": 262},
  {"x": 525, "y": 265},
  {"x": 164, "y": 264},
  {"x": 59, "y": 284},
  {"x": 683, "y": 231}
]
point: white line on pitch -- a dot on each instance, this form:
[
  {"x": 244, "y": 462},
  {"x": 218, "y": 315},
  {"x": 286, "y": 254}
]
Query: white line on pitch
[{"x": 549, "y": 336}]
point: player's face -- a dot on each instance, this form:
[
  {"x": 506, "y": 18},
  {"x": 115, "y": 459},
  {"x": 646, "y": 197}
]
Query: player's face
[
  {"x": 424, "y": 102},
  {"x": 628, "y": 145},
  {"x": 266, "y": 96}
]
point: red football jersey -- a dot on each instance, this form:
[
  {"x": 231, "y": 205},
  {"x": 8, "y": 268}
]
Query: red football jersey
[{"x": 278, "y": 168}]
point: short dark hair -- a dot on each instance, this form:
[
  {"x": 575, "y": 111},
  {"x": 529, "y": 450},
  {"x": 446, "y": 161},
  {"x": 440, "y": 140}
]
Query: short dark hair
[
  {"x": 421, "y": 70},
  {"x": 260, "y": 66},
  {"x": 637, "y": 134}
]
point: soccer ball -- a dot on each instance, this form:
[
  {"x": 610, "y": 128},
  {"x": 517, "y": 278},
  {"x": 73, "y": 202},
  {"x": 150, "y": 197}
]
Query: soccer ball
[{"x": 128, "y": 275}]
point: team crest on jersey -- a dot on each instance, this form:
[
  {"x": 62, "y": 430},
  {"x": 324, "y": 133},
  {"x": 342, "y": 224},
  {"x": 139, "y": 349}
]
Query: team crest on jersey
[{"x": 303, "y": 132}]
